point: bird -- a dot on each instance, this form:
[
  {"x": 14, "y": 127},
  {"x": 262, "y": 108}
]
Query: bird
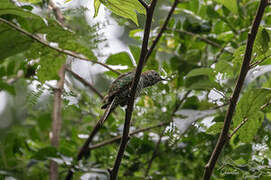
[
  {"x": 119, "y": 89},
  {"x": 118, "y": 94}
]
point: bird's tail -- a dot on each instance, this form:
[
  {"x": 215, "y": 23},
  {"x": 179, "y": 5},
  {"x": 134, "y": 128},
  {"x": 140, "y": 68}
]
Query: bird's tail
[
  {"x": 84, "y": 151},
  {"x": 107, "y": 111},
  {"x": 105, "y": 101}
]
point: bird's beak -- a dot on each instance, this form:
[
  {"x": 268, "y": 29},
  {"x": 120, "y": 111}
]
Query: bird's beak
[{"x": 164, "y": 79}]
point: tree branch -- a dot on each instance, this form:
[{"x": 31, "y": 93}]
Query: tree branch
[
  {"x": 130, "y": 106},
  {"x": 109, "y": 141},
  {"x": 143, "y": 3},
  {"x": 85, "y": 83},
  {"x": 252, "y": 65},
  {"x": 84, "y": 151},
  {"x": 238, "y": 127},
  {"x": 56, "y": 124},
  {"x": 233, "y": 101},
  {"x": 161, "y": 30},
  {"x": 57, "y": 13},
  {"x": 208, "y": 41},
  {"x": 222, "y": 50},
  {"x": 47, "y": 44},
  {"x": 177, "y": 105},
  {"x": 245, "y": 120},
  {"x": 144, "y": 51},
  {"x": 154, "y": 154}
]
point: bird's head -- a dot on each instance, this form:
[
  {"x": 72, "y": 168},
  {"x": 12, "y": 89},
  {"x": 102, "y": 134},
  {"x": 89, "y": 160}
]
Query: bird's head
[{"x": 151, "y": 77}]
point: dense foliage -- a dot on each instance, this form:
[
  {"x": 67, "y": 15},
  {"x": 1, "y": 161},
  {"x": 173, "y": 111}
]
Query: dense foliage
[{"x": 201, "y": 52}]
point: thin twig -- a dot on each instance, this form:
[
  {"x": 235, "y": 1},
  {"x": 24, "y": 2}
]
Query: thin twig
[
  {"x": 45, "y": 43},
  {"x": 245, "y": 120},
  {"x": 130, "y": 106},
  {"x": 252, "y": 65},
  {"x": 154, "y": 43},
  {"x": 265, "y": 105},
  {"x": 178, "y": 102},
  {"x": 220, "y": 106},
  {"x": 106, "y": 142},
  {"x": 85, "y": 83},
  {"x": 238, "y": 127},
  {"x": 220, "y": 93},
  {"x": 208, "y": 41},
  {"x": 56, "y": 117},
  {"x": 57, "y": 12},
  {"x": 143, "y": 3},
  {"x": 229, "y": 25},
  {"x": 222, "y": 50},
  {"x": 154, "y": 154},
  {"x": 109, "y": 141},
  {"x": 84, "y": 151},
  {"x": 177, "y": 105},
  {"x": 233, "y": 101}
]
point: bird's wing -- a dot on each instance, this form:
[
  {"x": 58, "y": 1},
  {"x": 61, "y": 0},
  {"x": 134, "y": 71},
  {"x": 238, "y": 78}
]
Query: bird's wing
[{"x": 123, "y": 82}]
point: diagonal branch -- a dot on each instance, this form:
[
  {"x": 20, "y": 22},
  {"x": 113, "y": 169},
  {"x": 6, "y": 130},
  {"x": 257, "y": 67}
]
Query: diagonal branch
[
  {"x": 238, "y": 127},
  {"x": 84, "y": 151},
  {"x": 145, "y": 53},
  {"x": 47, "y": 44},
  {"x": 59, "y": 16},
  {"x": 130, "y": 107},
  {"x": 162, "y": 29},
  {"x": 154, "y": 154},
  {"x": 114, "y": 139},
  {"x": 233, "y": 101},
  {"x": 206, "y": 40},
  {"x": 252, "y": 65},
  {"x": 177, "y": 105},
  {"x": 85, "y": 82},
  {"x": 245, "y": 120}
]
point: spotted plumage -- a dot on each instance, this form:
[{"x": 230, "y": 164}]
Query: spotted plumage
[{"x": 120, "y": 87}]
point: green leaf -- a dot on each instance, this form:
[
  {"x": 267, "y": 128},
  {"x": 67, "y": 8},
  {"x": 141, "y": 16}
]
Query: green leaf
[
  {"x": 201, "y": 71},
  {"x": 268, "y": 116},
  {"x": 262, "y": 41},
  {"x": 137, "y": 34},
  {"x": 97, "y": 5},
  {"x": 200, "y": 83},
  {"x": 230, "y": 4},
  {"x": 224, "y": 67},
  {"x": 45, "y": 153},
  {"x": 14, "y": 44},
  {"x": 125, "y": 8},
  {"x": 121, "y": 58},
  {"x": 50, "y": 65},
  {"x": 7, "y": 7},
  {"x": 249, "y": 107},
  {"x": 135, "y": 50},
  {"x": 67, "y": 40},
  {"x": 6, "y": 87},
  {"x": 211, "y": 12},
  {"x": 201, "y": 78},
  {"x": 215, "y": 128},
  {"x": 31, "y": 1},
  {"x": 238, "y": 56}
]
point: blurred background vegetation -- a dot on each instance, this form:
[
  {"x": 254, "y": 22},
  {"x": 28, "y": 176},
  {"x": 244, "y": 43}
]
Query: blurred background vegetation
[{"x": 201, "y": 50}]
